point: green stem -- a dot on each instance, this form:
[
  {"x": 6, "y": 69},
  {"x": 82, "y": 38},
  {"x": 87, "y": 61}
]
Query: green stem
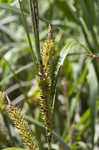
[
  {"x": 49, "y": 144},
  {"x": 27, "y": 33},
  {"x": 35, "y": 25}
]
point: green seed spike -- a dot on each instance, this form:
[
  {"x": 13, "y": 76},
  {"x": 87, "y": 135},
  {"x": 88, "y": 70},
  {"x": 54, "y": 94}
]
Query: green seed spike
[
  {"x": 46, "y": 55},
  {"x": 44, "y": 80},
  {"x": 45, "y": 102},
  {"x": 22, "y": 126}
]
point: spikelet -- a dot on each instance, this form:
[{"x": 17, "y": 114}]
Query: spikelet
[
  {"x": 44, "y": 80},
  {"x": 45, "y": 102},
  {"x": 2, "y": 105},
  {"x": 23, "y": 128},
  {"x": 47, "y": 53}
]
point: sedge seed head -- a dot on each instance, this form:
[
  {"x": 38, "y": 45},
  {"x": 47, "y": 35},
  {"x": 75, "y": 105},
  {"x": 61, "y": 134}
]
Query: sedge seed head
[
  {"x": 47, "y": 53},
  {"x": 23, "y": 128}
]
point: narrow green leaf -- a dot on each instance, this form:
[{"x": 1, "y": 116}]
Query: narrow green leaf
[
  {"x": 86, "y": 48},
  {"x": 89, "y": 22},
  {"x": 10, "y": 8},
  {"x": 93, "y": 89},
  {"x": 67, "y": 10},
  {"x": 83, "y": 129},
  {"x": 84, "y": 117},
  {"x": 90, "y": 5},
  {"x": 16, "y": 72},
  {"x": 86, "y": 14},
  {"x": 64, "y": 52},
  {"x": 80, "y": 80}
]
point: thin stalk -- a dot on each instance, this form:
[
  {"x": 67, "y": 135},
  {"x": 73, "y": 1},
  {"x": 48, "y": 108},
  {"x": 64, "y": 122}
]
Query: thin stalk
[
  {"x": 85, "y": 36},
  {"x": 35, "y": 25},
  {"x": 27, "y": 33},
  {"x": 49, "y": 144}
]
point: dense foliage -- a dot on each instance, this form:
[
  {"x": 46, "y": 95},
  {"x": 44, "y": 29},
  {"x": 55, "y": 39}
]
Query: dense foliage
[{"x": 50, "y": 75}]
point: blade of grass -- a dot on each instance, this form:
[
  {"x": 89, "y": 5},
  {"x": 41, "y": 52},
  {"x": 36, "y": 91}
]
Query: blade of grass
[
  {"x": 10, "y": 8},
  {"x": 85, "y": 35},
  {"x": 85, "y": 127},
  {"x": 16, "y": 10},
  {"x": 79, "y": 81},
  {"x": 8, "y": 33},
  {"x": 86, "y": 48},
  {"x": 15, "y": 77},
  {"x": 16, "y": 72},
  {"x": 89, "y": 23},
  {"x": 90, "y": 5},
  {"x": 93, "y": 91},
  {"x": 64, "y": 52},
  {"x": 84, "y": 117},
  {"x": 75, "y": 17}
]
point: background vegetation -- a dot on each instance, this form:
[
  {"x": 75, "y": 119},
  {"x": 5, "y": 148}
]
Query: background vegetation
[{"x": 75, "y": 32}]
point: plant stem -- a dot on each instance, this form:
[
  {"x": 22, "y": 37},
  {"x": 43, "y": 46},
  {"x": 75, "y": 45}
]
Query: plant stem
[
  {"x": 27, "y": 33},
  {"x": 49, "y": 144},
  {"x": 35, "y": 24}
]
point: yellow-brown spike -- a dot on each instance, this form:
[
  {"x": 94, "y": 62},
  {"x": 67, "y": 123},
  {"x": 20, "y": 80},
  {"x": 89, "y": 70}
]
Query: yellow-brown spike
[
  {"x": 23, "y": 128},
  {"x": 45, "y": 103},
  {"x": 47, "y": 54},
  {"x": 45, "y": 81}
]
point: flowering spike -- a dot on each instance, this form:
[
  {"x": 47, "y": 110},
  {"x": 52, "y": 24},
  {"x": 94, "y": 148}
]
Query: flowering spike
[
  {"x": 45, "y": 81},
  {"x": 22, "y": 126}
]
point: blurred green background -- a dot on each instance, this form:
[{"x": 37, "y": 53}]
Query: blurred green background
[{"x": 76, "y": 111}]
